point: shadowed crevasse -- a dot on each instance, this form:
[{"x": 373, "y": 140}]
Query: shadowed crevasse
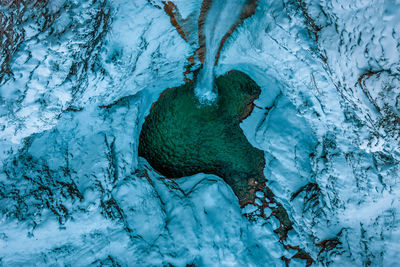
[{"x": 180, "y": 137}]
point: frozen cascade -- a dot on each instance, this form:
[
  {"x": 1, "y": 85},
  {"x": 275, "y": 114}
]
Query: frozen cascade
[{"x": 221, "y": 16}]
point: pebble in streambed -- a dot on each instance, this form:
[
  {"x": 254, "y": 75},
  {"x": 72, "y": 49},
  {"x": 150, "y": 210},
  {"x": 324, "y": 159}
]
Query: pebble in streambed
[{"x": 181, "y": 137}]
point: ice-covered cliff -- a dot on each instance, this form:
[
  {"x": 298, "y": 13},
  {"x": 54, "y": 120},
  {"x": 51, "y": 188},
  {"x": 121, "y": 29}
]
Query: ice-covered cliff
[{"x": 78, "y": 78}]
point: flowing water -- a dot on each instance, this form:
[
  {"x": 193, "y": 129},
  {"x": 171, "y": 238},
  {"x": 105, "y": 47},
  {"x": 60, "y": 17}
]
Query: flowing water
[{"x": 221, "y": 16}]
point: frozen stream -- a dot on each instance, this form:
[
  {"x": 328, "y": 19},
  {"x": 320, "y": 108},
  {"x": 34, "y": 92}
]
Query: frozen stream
[{"x": 221, "y": 16}]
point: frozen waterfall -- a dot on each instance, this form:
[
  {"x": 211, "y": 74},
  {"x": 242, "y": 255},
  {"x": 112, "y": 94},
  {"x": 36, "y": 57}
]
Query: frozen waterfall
[{"x": 221, "y": 16}]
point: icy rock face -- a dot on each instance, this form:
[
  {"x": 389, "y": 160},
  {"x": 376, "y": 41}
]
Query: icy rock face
[{"x": 81, "y": 76}]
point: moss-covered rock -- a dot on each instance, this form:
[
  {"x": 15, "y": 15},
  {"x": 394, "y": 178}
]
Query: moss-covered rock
[{"x": 181, "y": 137}]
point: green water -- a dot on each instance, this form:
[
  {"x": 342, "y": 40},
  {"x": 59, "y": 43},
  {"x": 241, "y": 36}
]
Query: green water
[{"x": 181, "y": 137}]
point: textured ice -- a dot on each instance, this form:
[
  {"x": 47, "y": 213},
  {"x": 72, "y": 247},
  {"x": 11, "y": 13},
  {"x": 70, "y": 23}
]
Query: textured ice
[{"x": 74, "y": 192}]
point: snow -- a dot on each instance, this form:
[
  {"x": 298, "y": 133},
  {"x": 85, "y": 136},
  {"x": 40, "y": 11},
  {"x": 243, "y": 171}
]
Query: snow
[
  {"x": 348, "y": 181},
  {"x": 71, "y": 115}
]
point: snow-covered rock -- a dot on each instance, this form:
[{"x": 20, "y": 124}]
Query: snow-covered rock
[{"x": 82, "y": 77}]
